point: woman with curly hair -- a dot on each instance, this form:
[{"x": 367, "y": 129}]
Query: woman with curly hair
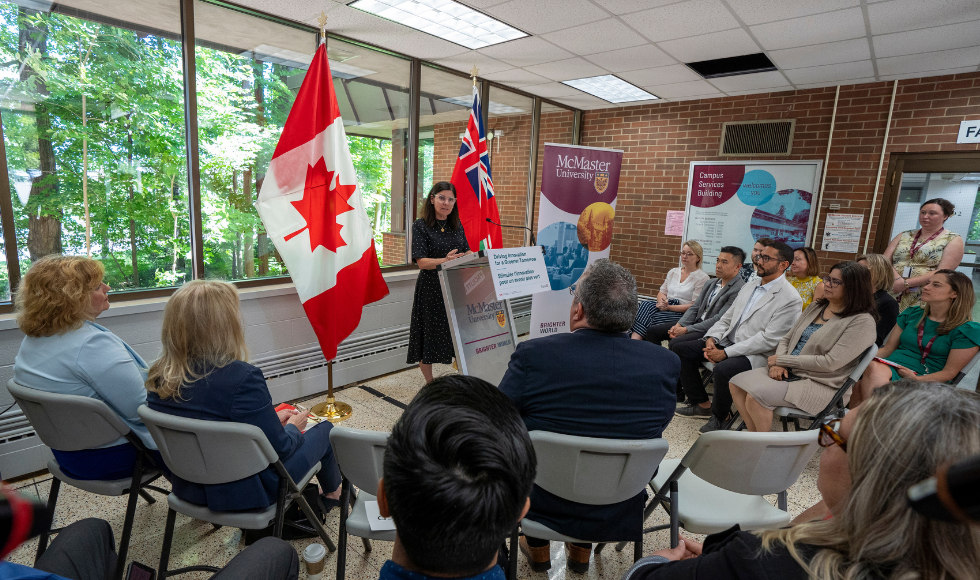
[{"x": 66, "y": 352}]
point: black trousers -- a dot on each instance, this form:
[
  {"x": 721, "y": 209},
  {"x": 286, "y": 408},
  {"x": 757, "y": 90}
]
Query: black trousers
[
  {"x": 269, "y": 558},
  {"x": 692, "y": 355},
  {"x": 692, "y": 338}
]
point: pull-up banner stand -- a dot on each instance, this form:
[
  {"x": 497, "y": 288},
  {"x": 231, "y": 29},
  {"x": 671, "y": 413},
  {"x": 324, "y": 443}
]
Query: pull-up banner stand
[
  {"x": 481, "y": 326},
  {"x": 575, "y": 224}
]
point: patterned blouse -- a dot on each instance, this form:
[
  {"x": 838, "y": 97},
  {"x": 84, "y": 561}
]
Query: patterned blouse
[
  {"x": 804, "y": 286},
  {"x": 925, "y": 260}
]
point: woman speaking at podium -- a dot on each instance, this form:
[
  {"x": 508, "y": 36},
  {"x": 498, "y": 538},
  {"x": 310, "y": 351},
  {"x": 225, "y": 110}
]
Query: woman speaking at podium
[{"x": 437, "y": 238}]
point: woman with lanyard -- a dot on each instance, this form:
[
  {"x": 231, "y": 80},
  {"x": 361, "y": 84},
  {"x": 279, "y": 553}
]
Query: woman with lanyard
[
  {"x": 437, "y": 237},
  {"x": 917, "y": 254},
  {"x": 932, "y": 342}
]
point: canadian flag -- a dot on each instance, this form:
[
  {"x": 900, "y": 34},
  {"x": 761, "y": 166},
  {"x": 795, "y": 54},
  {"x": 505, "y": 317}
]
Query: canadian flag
[{"x": 312, "y": 209}]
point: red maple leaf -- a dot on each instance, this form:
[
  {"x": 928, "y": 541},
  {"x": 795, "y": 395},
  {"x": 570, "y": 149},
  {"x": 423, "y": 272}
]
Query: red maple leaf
[{"x": 320, "y": 207}]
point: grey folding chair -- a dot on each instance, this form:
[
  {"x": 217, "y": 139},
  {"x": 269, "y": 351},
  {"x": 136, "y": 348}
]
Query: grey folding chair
[
  {"x": 793, "y": 414},
  {"x": 361, "y": 456},
  {"x": 75, "y": 423},
  {"x": 723, "y": 478},
  {"x": 216, "y": 452},
  {"x": 966, "y": 370},
  {"x": 590, "y": 471}
]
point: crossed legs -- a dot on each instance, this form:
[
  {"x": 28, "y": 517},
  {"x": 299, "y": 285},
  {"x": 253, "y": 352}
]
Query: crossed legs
[
  {"x": 876, "y": 375},
  {"x": 757, "y": 418}
]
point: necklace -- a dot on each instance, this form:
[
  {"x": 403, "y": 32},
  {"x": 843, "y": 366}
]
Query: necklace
[
  {"x": 442, "y": 225},
  {"x": 824, "y": 311}
]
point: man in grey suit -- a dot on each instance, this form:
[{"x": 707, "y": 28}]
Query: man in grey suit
[
  {"x": 715, "y": 298},
  {"x": 743, "y": 337}
]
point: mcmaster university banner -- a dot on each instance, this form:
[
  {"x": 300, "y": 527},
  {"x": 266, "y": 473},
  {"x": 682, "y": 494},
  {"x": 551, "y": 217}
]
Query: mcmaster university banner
[{"x": 575, "y": 224}]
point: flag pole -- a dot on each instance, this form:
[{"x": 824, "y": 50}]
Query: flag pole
[{"x": 332, "y": 410}]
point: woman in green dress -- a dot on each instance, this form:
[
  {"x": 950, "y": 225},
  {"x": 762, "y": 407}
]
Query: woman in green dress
[{"x": 932, "y": 342}]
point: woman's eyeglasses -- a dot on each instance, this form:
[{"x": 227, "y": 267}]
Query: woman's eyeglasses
[
  {"x": 832, "y": 282},
  {"x": 687, "y": 254},
  {"x": 444, "y": 199},
  {"x": 829, "y": 434}
]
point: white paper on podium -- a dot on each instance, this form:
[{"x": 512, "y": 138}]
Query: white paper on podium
[
  {"x": 377, "y": 523},
  {"x": 518, "y": 272}
]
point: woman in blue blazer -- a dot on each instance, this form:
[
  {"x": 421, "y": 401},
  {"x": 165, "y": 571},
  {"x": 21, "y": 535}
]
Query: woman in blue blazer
[{"x": 202, "y": 375}]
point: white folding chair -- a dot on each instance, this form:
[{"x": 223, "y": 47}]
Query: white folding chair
[
  {"x": 720, "y": 481},
  {"x": 590, "y": 471},
  {"x": 360, "y": 455},
  {"x": 966, "y": 370}
]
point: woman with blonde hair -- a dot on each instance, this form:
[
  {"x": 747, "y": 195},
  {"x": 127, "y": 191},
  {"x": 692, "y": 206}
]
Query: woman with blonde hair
[
  {"x": 871, "y": 457},
  {"x": 680, "y": 289},
  {"x": 203, "y": 375},
  {"x": 882, "y": 278},
  {"x": 804, "y": 275},
  {"x": 932, "y": 342},
  {"x": 66, "y": 352}
]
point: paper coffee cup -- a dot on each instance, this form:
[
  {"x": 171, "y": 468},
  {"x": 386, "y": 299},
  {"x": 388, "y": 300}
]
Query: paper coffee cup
[{"x": 314, "y": 556}]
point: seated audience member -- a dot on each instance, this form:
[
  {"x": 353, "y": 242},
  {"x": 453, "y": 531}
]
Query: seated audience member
[
  {"x": 742, "y": 339},
  {"x": 458, "y": 470},
  {"x": 882, "y": 278},
  {"x": 804, "y": 275},
  {"x": 592, "y": 382},
  {"x": 67, "y": 353},
  {"x": 813, "y": 360},
  {"x": 680, "y": 289},
  {"x": 932, "y": 342},
  {"x": 715, "y": 298},
  {"x": 748, "y": 269},
  {"x": 202, "y": 375},
  {"x": 872, "y": 456}
]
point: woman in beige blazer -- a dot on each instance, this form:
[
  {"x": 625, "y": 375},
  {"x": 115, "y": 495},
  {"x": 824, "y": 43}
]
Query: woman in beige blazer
[{"x": 821, "y": 349}]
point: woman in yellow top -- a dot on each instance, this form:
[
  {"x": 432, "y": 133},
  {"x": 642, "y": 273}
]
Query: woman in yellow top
[
  {"x": 804, "y": 275},
  {"x": 917, "y": 254}
]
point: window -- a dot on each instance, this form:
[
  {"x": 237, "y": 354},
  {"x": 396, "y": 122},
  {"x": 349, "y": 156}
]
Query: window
[
  {"x": 93, "y": 120},
  {"x": 556, "y": 126},
  {"x": 509, "y": 125}
]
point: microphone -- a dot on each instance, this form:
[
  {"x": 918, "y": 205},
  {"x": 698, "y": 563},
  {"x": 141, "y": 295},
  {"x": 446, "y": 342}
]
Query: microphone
[
  {"x": 517, "y": 227},
  {"x": 952, "y": 495}
]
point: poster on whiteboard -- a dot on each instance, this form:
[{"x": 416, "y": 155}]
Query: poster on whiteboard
[
  {"x": 734, "y": 203},
  {"x": 575, "y": 224}
]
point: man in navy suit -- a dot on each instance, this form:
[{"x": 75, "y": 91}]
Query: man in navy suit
[{"x": 592, "y": 382}]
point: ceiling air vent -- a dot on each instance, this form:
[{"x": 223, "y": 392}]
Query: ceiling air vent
[{"x": 757, "y": 138}]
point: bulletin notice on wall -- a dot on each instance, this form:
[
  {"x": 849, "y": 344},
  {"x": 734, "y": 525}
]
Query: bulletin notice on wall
[{"x": 842, "y": 232}]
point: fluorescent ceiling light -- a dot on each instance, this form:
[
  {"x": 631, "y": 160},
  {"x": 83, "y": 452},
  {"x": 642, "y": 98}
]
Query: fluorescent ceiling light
[
  {"x": 611, "y": 88},
  {"x": 494, "y": 108},
  {"x": 443, "y": 18}
]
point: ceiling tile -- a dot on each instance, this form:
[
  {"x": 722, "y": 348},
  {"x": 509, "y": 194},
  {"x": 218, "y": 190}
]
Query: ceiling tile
[
  {"x": 682, "y": 89},
  {"x": 832, "y": 73},
  {"x": 633, "y": 58},
  {"x": 551, "y": 90},
  {"x": 822, "y": 84},
  {"x": 609, "y": 34},
  {"x": 763, "y": 80},
  {"x": 718, "y": 45},
  {"x": 818, "y": 29},
  {"x": 901, "y": 15},
  {"x": 759, "y": 11},
  {"x": 830, "y": 53},
  {"x": 761, "y": 91},
  {"x": 526, "y": 51},
  {"x": 516, "y": 77},
  {"x": 932, "y": 73},
  {"x": 478, "y": 4},
  {"x": 914, "y": 63},
  {"x": 466, "y": 61},
  {"x": 928, "y": 39},
  {"x": 683, "y": 19},
  {"x": 640, "y": 103},
  {"x": 543, "y": 16},
  {"x": 627, "y": 6},
  {"x": 698, "y": 97},
  {"x": 563, "y": 70},
  {"x": 663, "y": 75},
  {"x": 585, "y": 101}
]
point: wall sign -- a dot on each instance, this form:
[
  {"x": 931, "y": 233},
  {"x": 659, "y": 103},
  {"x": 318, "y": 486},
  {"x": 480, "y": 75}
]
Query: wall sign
[{"x": 969, "y": 132}]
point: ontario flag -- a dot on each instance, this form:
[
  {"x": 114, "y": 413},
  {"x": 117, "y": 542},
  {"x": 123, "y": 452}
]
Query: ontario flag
[
  {"x": 474, "y": 187},
  {"x": 312, "y": 209}
]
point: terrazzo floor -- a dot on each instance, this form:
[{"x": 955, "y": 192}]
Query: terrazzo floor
[{"x": 377, "y": 405}]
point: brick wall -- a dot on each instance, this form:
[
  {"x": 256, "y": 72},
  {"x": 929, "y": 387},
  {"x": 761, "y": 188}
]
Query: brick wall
[
  {"x": 660, "y": 140},
  {"x": 556, "y": 127},
  {"x": 393, "y": 248}
]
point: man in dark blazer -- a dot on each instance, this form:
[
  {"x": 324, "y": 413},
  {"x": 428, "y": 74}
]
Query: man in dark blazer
[
  {"x": 715, "y": 298},
  {"x": 592, "y": 382}
]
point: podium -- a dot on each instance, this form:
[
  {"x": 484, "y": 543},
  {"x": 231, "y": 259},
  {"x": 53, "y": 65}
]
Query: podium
[{"x": 482, "y": 327}]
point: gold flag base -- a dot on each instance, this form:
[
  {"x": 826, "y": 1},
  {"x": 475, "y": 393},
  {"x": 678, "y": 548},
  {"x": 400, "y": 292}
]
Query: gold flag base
[{"x": 333, "y": 411}]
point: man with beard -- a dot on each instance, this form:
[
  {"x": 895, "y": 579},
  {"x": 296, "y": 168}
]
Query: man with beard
[{"x": 764, "y": 310}]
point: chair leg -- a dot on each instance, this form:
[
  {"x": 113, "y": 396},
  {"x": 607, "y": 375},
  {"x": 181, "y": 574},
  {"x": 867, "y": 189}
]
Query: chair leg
[
  {"x": 367, "y": 544},
  {"x": 637, "y": 550},
  {"x": 168, "y": 538},
  {"x": 342, "y": 534},
  {"x": 314, "y": 520},
  {"x": 674, "y": 521},
  {"x": 147, "y": 497},
  {"x": 782, "y": 501},
  {"x": 512, "y": 555},
  {"x": 42, "y": 542},
  {"x": 127, "y": 531},
  {"x": 785, "y": 424},
  {"x": 280, "y": 509}
]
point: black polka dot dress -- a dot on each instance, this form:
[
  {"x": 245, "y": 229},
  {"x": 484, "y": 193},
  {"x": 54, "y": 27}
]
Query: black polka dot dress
[{"x": 429, "y": 340}]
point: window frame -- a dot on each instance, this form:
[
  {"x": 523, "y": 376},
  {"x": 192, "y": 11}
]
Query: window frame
[{"x": 188, "y": 58}]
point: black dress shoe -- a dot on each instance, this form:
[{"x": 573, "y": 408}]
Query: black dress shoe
[
  {"x": 713, "y": 424},
  {"x": 694, "y": 412}
]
